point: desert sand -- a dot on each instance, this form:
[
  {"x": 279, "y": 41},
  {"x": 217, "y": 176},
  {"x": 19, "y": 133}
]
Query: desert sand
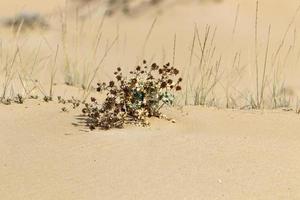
[{"x": 209, "y": 153}]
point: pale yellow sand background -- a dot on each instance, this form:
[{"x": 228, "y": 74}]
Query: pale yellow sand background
[{"x": 207, "y": 154}]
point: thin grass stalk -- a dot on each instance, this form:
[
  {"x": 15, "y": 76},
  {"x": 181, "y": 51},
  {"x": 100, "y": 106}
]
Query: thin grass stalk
[
  {"x": 256, "y": 55},
  {"x": 285, "y": 35},
  {"x": 174, "y": 51},
  {"x": 53, "y": 73},
  {"x": 237, "y": 12},
  {"x": 98, "y": 67},
  {"x": 8, "y": 74},
  {"x": 147, "y": 38},
  {"x": 193, "y": 47},
  {"x": 68, "y": 79},
  {"x": 263, "y": 82}
]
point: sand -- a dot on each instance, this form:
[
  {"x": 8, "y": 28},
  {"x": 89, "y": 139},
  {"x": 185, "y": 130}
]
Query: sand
[{"x": 208, "y": 153}]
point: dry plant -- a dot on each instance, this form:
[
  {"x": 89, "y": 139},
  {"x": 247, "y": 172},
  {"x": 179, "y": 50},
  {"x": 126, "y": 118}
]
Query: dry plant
[
  {"x": 207, "y": 73},
  {"x": 53, "y": 73},
  {"x": 133, "y": 99},
  {"x": 260, "y": 77},
  {"x": 81, "y": 69}
]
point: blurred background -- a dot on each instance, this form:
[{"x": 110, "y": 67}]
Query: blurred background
[{"x": 84, "y": 34}]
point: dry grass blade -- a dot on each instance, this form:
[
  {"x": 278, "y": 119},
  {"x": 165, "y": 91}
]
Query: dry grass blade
[
  {"x": 53, "y": 72},
  {"x": 9, "y": 73},
  {"x": 98, "y": 68},
  {"x": 236, "y": 19},
  {"x": 147, "y": 38},
  {"x": 285, "y": 34},
  {"x": 256, "y": 54},
  {"x": 263, "y": 82},
  {"x": 174, "y": 51}
]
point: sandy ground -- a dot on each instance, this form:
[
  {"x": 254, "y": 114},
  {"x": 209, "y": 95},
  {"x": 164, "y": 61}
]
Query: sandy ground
[{"x": 207, "y": 154}]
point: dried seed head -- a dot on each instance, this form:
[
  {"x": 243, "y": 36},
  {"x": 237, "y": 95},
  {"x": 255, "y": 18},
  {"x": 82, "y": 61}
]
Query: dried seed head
[
  {"x": 134, "y": 81},
  {"x": 93, "y": 99},
  {"x": 154, "y": 66},
  {"x": 111, "y": 84},
  {"x": 178, "y": 88},
  {"x": 84, "y": 110},
  {"x": 163, "y": 85},
  {"x": 113, "y": 92},
  {"x": 176, "y": 71},
  {"x": 119, "y": 77}
]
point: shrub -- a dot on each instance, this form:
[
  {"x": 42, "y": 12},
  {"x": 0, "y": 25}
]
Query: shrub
[{"x": 133, "y": 99}]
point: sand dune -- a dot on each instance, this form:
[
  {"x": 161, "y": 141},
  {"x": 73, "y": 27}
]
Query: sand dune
[{"x": 207, "y": 154}]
